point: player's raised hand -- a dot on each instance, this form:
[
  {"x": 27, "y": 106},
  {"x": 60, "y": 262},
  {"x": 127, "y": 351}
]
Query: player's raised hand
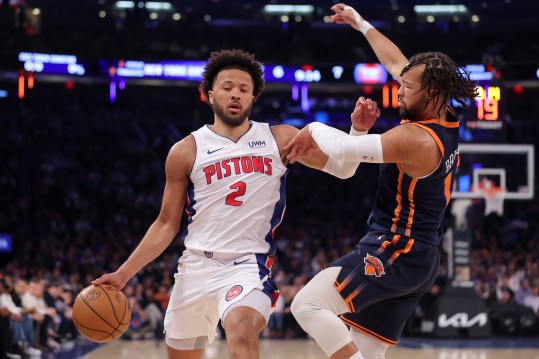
[
  {"x": 301, "y": 145},
  {"x": 365, "y": 114},
  {"x": 345, "y": 14}
]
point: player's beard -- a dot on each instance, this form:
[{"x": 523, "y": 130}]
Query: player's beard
[
  {"x": 410, "y": 113},
  {"x": 232, "y": 120}
]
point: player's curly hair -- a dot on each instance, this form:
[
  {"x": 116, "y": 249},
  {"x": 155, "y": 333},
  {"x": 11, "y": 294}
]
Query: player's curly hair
[
  {"x": 232, "y": 59},
  {"x": 443, "y": 79}
]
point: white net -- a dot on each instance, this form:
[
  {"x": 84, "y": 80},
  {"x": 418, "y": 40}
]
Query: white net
[{"x": 494, "y": 196}]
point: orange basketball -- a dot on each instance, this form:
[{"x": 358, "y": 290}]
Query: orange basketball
[{"x": 101, "y": 313}]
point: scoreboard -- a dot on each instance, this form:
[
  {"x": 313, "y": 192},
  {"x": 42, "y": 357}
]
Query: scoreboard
[{"x": 482, "y": 119}]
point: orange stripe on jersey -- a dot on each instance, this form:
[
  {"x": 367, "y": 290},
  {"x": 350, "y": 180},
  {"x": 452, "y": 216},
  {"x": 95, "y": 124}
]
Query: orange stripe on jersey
[
  {"x": 412, "y": 207},
  {"x": 434, "y": 136},
  {"x": 447, "y": 124},
  {"x": 354, "y": 294},
  {"x": 386, "y": 243},
  {"x": 398, "y": 252},
  {"x": 345, "y": 282},
  {"x": 447, "y": 190},
  {"x": 399, "y": 201},
  {"x": 368, "y": 332}
]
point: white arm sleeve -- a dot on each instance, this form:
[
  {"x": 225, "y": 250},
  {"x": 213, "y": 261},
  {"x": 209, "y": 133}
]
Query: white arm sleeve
[
  {"x": 342, "y": 147},
  {"x": 343, "y": 169}
]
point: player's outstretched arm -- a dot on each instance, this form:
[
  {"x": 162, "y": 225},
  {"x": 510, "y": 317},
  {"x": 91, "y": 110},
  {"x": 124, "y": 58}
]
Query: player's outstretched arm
[
  {"x": 303, "y": 147},
  {"x": 166, "y": 226},
  {"x": 387, "y": 52}
]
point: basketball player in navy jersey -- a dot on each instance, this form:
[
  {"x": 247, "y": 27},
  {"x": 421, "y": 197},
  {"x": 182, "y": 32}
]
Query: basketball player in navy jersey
[
  {"x": 232, "y": 176},
  {"x": 378, "y": 285}
]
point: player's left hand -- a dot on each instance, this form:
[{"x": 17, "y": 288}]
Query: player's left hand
[
  {"x": 365, "y": 114},
  {"x": 302, "y": 145}
]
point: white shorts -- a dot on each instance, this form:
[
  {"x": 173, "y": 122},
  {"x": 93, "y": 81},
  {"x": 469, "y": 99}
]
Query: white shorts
[{"x": 207, "y": 285}]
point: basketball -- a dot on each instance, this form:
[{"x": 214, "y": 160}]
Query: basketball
[{"x": 101, "y": 313}]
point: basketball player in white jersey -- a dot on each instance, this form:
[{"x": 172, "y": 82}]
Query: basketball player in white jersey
[{"x": 231, "y": 175}]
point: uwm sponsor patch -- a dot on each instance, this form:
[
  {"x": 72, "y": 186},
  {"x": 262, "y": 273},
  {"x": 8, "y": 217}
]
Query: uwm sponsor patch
[
  {"x": 373, "y": 266},
  {"x": 257, "y": 144},
  {"x": 233, "y": 292}
]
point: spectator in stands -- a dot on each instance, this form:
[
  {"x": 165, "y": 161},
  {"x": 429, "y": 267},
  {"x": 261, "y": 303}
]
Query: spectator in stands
[
  {"x": 43, "y": 317},
  {"x": 532, "y": 300},
  {"x": 523, "y": 291},
  {"x": 21, "y": 333},
  {"x": 138, "y": 325},
  {"x": 152, "y": 311}
]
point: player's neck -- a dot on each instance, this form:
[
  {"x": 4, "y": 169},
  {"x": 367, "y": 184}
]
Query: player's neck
[
  {"x": 232, "y": 132},
  {"x": 438, "y": 113}
]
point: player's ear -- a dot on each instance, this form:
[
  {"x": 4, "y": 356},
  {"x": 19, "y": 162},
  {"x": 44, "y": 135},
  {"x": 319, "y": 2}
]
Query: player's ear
[{"x": 210, "y": 97}]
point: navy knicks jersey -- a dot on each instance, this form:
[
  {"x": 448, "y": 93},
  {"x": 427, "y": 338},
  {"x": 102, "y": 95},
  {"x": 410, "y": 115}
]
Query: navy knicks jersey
[{"x": 414, "y": 207}]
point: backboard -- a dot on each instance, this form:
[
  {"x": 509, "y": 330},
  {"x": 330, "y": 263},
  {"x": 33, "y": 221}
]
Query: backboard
[{"x": 506, "y": 166}]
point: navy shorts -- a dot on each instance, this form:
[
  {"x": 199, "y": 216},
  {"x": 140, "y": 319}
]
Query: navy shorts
[{"x": 382, "y": 281}]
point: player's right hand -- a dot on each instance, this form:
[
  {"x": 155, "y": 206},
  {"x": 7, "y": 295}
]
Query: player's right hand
[
  {"x": 302, "y": 145},
  {"x": 365, "y": 114},
  {"x": 113, "y": 279},
  {"x": 345, "y": 14}
]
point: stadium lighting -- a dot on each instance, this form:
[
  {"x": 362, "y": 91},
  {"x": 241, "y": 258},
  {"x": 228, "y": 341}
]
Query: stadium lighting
[
  {"x": 440, "y": 9},
  {"x": 288, "y": 9},
  {"x": 124, "y": 4},
  {"x": 158, "y": 6},
  {"x": 149, "y": 5}
]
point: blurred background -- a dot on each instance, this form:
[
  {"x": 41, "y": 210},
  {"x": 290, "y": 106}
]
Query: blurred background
[{"x": 93, "y": 93}]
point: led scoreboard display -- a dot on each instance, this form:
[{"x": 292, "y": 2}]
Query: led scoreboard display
[
  {"x": 487, "y": 103},
  {"x": 192, "y": 71},
  {"x": 51, "y": 64},
  {"x": 481, "y": 118},
  {"x": 486, "y": 111}
]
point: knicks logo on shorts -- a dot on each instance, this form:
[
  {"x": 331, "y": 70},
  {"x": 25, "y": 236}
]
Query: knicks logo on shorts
[
  {"x": 233, "y": 292},
  {"x": 373, "y": 266}
]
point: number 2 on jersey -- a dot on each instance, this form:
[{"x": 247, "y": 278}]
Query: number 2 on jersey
[{"x": 239, "y": 188}]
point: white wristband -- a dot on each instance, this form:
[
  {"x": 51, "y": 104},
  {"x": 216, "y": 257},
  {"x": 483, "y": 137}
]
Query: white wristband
[
  {"x": 354, "y": 132},
  {"x": 362, "y": 24}
]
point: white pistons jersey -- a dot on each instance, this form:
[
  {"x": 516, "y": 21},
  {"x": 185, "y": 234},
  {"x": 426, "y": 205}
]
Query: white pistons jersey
[{"x": 236, "y": 196}]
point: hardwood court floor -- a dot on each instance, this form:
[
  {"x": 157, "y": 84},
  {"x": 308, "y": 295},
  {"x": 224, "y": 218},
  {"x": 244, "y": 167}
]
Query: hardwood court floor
[{"x": 300, "y": 349}]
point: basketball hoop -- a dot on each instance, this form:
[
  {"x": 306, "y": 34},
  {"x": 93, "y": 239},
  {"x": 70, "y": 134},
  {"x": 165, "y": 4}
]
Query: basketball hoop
[{"x": 494, "y": 196}]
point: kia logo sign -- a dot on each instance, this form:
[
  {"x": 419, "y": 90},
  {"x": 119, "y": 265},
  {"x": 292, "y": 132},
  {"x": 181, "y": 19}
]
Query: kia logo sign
[
  {"x": 370, "y": 74},
  {"x": 462, "y": 320}
]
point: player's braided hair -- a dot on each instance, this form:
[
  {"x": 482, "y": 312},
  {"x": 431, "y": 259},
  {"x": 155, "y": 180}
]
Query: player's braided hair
[
  {"x": 442, "y": 79},
  {"x": 232, "y": 59}
]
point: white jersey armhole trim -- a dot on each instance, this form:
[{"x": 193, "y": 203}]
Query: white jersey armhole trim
[
  {"x": 197, "y": 152},
  {"x": 195, "y": 157},
  {"x": 275, "y": 144}
]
